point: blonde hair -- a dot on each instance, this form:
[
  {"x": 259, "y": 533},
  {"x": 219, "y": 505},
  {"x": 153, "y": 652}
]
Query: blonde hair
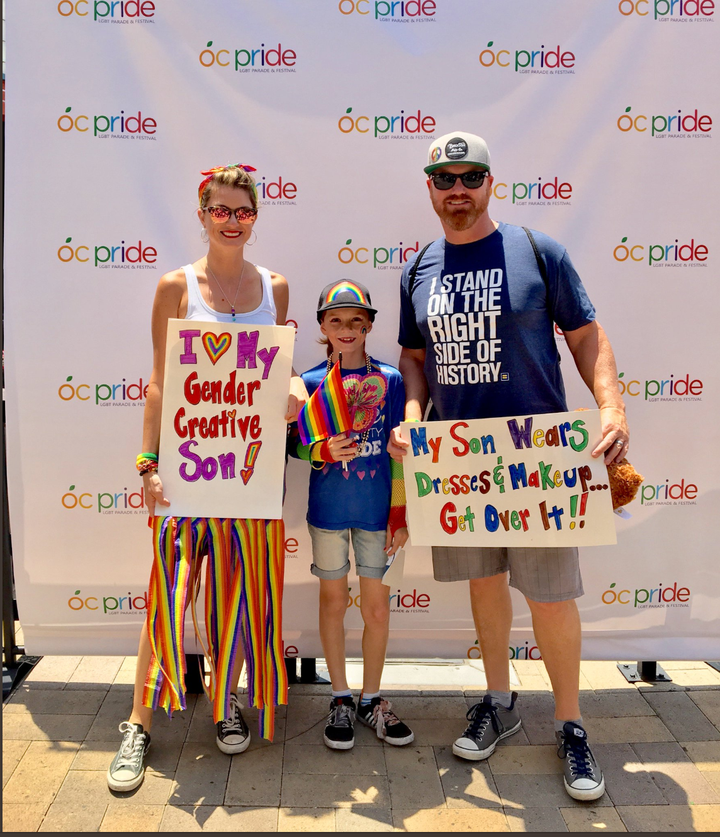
[{"x": 233, "y": 176}]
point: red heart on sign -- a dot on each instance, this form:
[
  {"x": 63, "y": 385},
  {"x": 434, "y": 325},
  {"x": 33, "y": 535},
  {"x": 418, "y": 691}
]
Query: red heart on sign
[{"x": 246, "y": 473}]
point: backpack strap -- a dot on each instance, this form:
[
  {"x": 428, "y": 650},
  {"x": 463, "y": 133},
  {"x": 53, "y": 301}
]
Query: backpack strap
[
  {"x": 414, "y": 269},
  {"x": 540, "y": 262}
]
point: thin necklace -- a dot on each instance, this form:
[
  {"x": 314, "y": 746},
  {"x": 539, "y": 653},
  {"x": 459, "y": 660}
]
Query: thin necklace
[
  {"x": 232, "y": 304},
  {"x": 368, "y": 366}
]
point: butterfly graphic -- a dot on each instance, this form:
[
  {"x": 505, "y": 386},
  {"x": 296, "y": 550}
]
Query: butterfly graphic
[{"x": 365, "y": 395}]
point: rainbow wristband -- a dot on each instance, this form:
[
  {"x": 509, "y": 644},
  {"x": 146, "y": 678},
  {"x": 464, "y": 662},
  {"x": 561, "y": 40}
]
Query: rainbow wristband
[
  {"x": 145, "y": 463},
  {"x": 152, "y": 456}
]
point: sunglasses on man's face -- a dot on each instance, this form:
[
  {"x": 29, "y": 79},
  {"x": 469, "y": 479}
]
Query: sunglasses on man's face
[
  {"x": 470, "y": 179},
  {"x": 220, "y": 214}
]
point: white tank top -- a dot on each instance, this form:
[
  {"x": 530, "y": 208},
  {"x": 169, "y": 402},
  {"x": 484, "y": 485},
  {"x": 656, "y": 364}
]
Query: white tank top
[{"x": 198, "y": 309}]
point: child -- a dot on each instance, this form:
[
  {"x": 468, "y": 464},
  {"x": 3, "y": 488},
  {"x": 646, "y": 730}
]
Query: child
[{"x": 351, "y": 485}]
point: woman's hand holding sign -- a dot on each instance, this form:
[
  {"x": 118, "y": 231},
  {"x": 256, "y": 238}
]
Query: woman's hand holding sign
[{"x": 154, "y": 494}]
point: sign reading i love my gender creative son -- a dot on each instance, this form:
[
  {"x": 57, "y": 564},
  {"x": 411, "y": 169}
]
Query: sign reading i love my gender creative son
[
  {"x": 521, "y": 481},
  {"x": 222, "y": 442}
]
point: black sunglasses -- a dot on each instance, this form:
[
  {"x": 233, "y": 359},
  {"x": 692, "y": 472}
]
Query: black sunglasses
[{"x": 470, "y": 179}]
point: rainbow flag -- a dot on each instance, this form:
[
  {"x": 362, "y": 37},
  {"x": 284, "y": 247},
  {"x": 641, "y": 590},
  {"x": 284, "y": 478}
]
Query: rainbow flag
[{"x": 326, "y": 413}]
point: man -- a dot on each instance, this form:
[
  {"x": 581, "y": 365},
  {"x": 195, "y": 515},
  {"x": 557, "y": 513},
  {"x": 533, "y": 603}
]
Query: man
[{"x": 477, "y": 337}]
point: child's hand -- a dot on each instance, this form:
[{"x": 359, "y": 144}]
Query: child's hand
[
  {"x": 397, "y": 446},
  {"x": 297, "y": 398},
  {"x": 396, "y": 541},
  {"x": 341, "y": 448}
]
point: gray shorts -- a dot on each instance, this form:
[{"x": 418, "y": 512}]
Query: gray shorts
[{"x": 543, "y": 574}]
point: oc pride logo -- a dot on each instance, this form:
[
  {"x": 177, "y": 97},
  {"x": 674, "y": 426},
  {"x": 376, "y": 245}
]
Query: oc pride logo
[
  {"x": 127, "y": 255},
  {"x": 410, "y": 125},
  {"x": 104, "y": 502},
  {"x": 276, "y": 191},
  {"x": 681, "y": 124},
  {"x": 122, "y": 394},
  {"x": 133, "y": 603},
  {"x": 394, "y": 11},
  {"x": 407, "y": 601},
  {"x": 262, "y": 58},
  {"x": 109, "y": 11},
  {"x": 525, "y": 651},
  {"x": 665, "y": 11},
  {"x": 547, "y": 192},
  {"x": 122, "y": 125},
  {"x": 680, "y": 493},
  {"x": 678, "y": 253},
  {"x": 542, "y": 61},
  {"x": 668, "y": 595},
  {"x": 381, "y": 258},
  {"x": 681, "y": 388}
]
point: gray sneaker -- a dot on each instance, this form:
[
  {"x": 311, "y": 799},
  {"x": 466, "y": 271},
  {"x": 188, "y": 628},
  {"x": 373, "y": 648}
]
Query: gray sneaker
[
  {"x": 127, "y": 769},
  {"x": 489, "y": 723},
  {"x": 583, "y": 777}
]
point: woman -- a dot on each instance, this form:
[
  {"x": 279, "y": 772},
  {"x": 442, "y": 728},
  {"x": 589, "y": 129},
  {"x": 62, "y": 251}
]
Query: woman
[{"x": 220, "y": 287}]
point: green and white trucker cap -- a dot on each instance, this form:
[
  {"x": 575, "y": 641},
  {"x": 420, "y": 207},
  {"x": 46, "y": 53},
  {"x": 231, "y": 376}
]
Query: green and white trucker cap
[{"x": 458, "y": 147}]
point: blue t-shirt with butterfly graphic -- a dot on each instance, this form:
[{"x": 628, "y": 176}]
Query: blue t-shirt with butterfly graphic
[{"x": 358, "y": 498}]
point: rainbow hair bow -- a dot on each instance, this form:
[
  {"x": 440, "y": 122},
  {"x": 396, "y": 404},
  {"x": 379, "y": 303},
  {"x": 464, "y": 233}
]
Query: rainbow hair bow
[{"x": 215, "y": 170}]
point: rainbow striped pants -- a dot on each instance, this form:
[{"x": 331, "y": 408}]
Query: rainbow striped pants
[{"x": 243, "y": 603}]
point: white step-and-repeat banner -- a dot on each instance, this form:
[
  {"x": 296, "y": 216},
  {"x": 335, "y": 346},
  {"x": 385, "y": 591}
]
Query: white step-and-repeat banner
[{"x": 601, "y": 118}]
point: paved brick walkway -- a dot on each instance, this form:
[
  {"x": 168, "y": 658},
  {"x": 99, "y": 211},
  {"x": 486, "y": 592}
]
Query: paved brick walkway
[{"x": 659, "y": 747}]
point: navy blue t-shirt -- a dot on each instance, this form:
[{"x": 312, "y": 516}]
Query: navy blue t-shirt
[{"x": 485, "y": 317}]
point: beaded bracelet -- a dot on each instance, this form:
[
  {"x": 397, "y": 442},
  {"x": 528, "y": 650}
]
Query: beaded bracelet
[{"x": 146, "y": 462}]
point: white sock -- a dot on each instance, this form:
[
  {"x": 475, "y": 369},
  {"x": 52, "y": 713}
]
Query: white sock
[
  {"x": 341, "y": 693},
  {"x": 367, "y": 698}
]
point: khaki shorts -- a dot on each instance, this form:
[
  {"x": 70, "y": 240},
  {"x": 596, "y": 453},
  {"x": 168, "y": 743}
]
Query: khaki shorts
[{"x": 543, "y": 574}]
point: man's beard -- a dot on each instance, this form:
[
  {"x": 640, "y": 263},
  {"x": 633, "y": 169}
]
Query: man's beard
[{"x": 460, "y": 218}]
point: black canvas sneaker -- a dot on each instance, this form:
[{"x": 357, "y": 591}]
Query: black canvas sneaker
[
  {"x": 378, "y": 714},
  {"x": 339, "y": 733}
]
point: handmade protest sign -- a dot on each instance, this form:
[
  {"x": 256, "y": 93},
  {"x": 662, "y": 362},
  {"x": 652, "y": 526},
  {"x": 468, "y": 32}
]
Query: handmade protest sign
[
  {"x": 517, "y": 481},
  {"x": 222, "y": 438}
]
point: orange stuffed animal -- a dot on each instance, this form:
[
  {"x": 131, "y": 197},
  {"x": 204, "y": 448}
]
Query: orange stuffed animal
[
  {"x": 624, "y": 483},
  {"x": 624, "y": 480}
]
